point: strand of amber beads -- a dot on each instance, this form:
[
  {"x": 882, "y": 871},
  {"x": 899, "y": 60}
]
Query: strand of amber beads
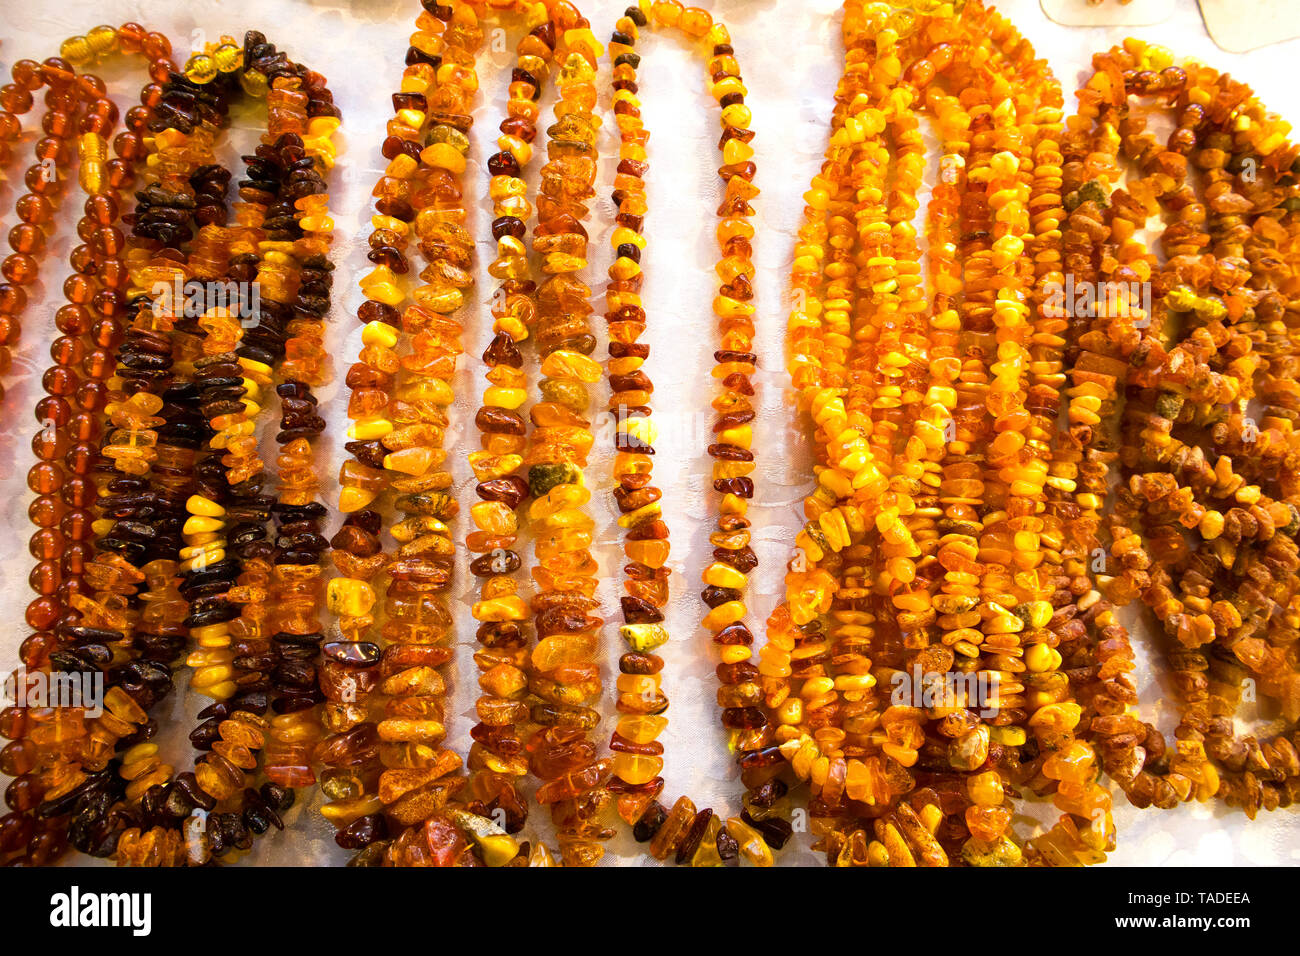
[
  {"x": 1046, "y": 685},
  {"x": 891, "y": 372},
  {"x": 939, "y": 562},
  {"x": 299, "y": 228},
  {"x": 416, "y": 786},
  {"x": 825, "y": 290},
  {"x": 403, "y": 772},
  {"x": 1085, "y": 831},
  {"x": 226, "y": 554},
  {"x": 415, "y": 782},
  {"x": 1017, "y": 466},
  {"x": 1265, "y": 773},
  {"x": 637, "y": 753},
  {"x": 993, "y": 45},
  {"x": 563, "y": 671},
  {"x": 1167, "y": 426},
  {"x": 699, "y": 837},
  {"x": 158, "y": 844},
  {"x": 857, "y": 451},
  {"x": 1171, "y": 427},
  {"x": 94, "y": 631},
  {"x": 349, "y": 753},
  {"x": 155, "y": 460},
  {"x": 139, "y": 649},
  {"x": 914, "y": 368},
  {"x": 63, "y": 119},
  {"x": 563, "y": 667},
  {"x": 1089, "y": 632},
  {"x": 797, "y": 682},
  {"x": 295, "y": 594},
  {"x": 1096, "y": 372},
  {"x": 497, "y": 759},
  {"x": 441, "y": 834},
  {"x": 852, "y": 760},
  {"x": 265, "y": 249},
  {"x": 276, "y": 588},
  {"x": 799, "y": 679},
  {"x": 990, "y": 381},
  {"x": 259, "y": 641}
]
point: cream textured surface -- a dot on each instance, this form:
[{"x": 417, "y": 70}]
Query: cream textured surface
[{"x": 791, "y": 57}]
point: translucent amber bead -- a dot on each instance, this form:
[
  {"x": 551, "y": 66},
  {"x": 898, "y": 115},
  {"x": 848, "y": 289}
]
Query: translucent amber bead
[
  {"x": 201, "y": 68},
  {"x": 635, "y": 769},
  {"x": 673, "y": 829},
  {"x": 752, "y": 845}
]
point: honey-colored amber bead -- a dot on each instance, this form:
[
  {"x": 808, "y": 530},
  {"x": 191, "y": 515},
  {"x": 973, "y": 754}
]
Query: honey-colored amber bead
[
  {"x": 641, "y": 729},
  {"x": 635, "y": 769},
  {"x": 752, "y": 845},
  {"x": 673, "y": 829}
]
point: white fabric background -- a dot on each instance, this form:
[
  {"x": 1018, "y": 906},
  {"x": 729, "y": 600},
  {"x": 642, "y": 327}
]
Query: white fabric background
[{"x": 791, "y": 57}]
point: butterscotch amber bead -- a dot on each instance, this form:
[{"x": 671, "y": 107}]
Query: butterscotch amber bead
[{"x": 673, "y": 830}]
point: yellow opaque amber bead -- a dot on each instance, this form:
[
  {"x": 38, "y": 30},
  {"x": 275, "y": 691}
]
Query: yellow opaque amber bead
[
  {"x": 494, "y": 518},
  {"x": 198, "y": 505},
  {"x": 349, "y": 597},
  {"x": 644, "y": 638},
  {"x": 444, "y": 156},
  {"x": 198, "y": 524},
  {"x": 412, "y": 461},
  {"x": 724, "y": 576},
  {"x": 727, "y": 613},
  {"x": 565, "y": 364},
  {"x": 1040, "y": 657},
  {"x": 500, "y": 609},
  {"x": 379, "y": 333}
]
